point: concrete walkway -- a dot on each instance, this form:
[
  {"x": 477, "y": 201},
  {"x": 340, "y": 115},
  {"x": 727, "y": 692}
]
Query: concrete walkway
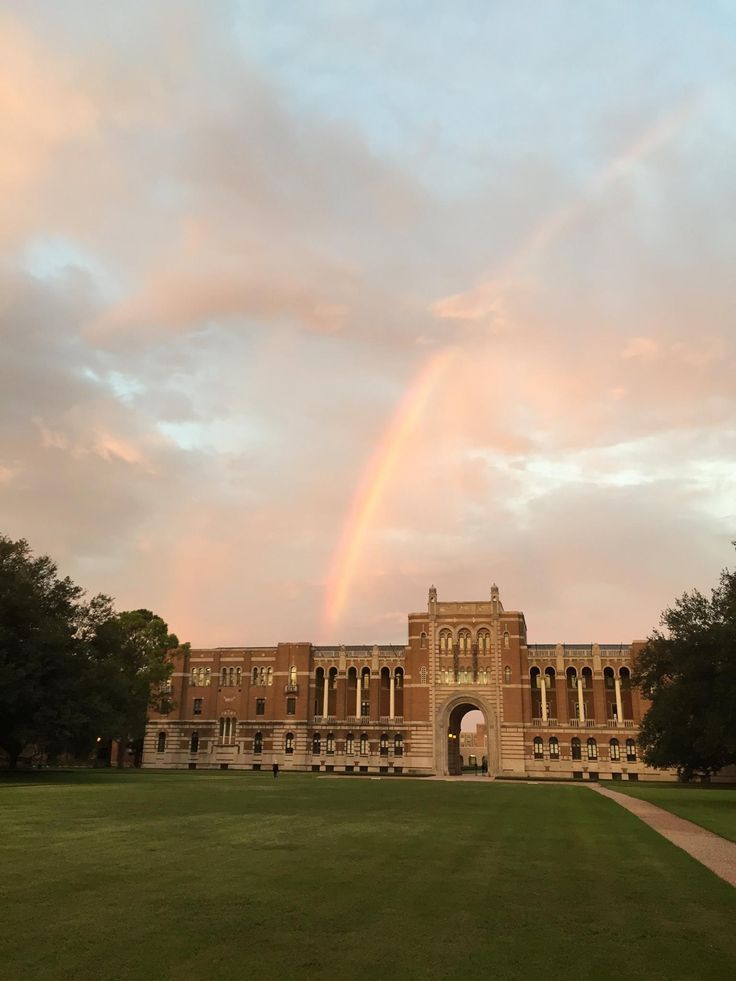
[{"x": 716, "y": 853}]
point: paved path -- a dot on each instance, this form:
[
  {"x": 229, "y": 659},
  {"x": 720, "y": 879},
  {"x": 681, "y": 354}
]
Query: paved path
[{"x": 716, "y": 853}]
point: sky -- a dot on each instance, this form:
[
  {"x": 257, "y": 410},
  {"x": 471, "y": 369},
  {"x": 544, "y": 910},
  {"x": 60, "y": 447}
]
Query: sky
[{"x": 307, "y": 306}]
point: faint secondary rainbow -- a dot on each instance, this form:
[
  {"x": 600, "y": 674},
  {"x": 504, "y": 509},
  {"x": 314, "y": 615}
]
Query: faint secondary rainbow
[
  {"x": 374, "y": 481},
  {"x": 474, "y": 304}
]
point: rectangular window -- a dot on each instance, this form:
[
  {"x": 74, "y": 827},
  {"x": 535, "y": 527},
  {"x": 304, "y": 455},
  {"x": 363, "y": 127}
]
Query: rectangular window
[
  {"x": 365, "y": 709},
  {"x": 197, "y": 710},
  {"x": 260, "y": 706},
  {"x": 291, "y": 706}
]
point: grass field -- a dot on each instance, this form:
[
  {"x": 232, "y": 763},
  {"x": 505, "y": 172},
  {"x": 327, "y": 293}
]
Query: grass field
[
  {"x": 712, "y": 807},
  {"x": 225, "y": 875}
]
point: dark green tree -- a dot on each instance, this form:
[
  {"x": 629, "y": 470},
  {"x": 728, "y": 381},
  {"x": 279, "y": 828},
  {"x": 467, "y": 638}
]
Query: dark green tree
[
  {"x": 42, "y": 659},
  {"x": 688, "y": 672}
]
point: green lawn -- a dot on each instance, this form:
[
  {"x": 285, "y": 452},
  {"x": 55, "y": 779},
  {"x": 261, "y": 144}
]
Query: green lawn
[
  {"x": 712, "y": 807},
  {"x": 235, "y": 875}
]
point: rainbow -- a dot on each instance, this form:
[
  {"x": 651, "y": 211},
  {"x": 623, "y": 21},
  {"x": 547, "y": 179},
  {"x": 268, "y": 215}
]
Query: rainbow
[
  {"x": 374, "y": 481},
  {"x": 474, "y": 304}
]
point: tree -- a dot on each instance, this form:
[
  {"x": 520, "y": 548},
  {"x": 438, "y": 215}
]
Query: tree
[
  {"x": 41, "y": 658},
  {"x": 131, "y": 669},
  {"x": 689, "y": 675}
]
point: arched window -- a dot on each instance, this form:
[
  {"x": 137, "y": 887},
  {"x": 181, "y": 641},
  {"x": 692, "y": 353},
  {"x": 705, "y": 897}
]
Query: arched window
[
  {"x": 194, "y": 743},
  {"x": 384, "y": 744},
  {"x": 422, "y": 640},
  {"x": 289, "y": 743},
  {"x": 231, "y": 674},
  {"x": 398, "y": 744},
  {"x": 445, "y": 642},
  {"x": 238, "y": 674},
  {"x": 630, "y": 751},
  {"x": 332, "y": 679},
  {"x": 506, "y": 639},
  {"x": 399, "y": 677},
  {"x": 223, "y": 676},
  {"x": 208, "y": 676},
  {"x": 464, "y": 641},
  {"x": 554, "y": 748},
  {"x": 316, "y": 744},
  {"x": 587, "y": 678},
  {"x": 255, "y": 676},
  {"x": 330, "y": 747},
  {"x": 507, "y": 675},
  {"x": 422, "y": 676},
  {"x": 614, "y": 751},
  {"x": 538, "y": 748},
  {"x": 549, "y": 678},
  {"x": 484, "y": 642},
  {"x": 262, "y": 677},
  {"x": 161, "y": 742},
  {"x": 363, "y": 744},
  {"x": 269, "y": 676},
  {"x": 258, "y": 743},
  {"x": 292, "y": 675},
  {"x": 349, "y": 744},
  {"x": 608, "y": 680},
  {"x": 592, "y": 749},
  {"x": 575, "y": 749},
  {"x": 534, "y": 676}
]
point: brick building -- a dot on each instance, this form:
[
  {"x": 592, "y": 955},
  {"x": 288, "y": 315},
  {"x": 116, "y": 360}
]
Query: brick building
[{"x": 549, "y": 710}]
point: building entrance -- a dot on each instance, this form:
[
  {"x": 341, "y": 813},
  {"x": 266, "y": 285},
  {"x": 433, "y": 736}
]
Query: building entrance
[{"x": 467, "y": 749}]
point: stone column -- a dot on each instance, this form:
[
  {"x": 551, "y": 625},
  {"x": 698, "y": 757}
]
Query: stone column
[
  {"x": 357, "y": 697},
  {"x": 391, "y": 697},
  {"x": 325, "y": 695},
  {"x": 543, "y": 682},
  {"x": 619, "y": 703},
  {"x": 581, "y": 700}
]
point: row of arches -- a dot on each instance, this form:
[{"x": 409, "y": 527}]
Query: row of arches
[
  {"x": 362, "y": 744},
  {"x": 576, "y": 690},
  {"x": 591, "y": 746},
  {"x": 357, "y": 695},
  {"x": 465, "y": 639},
  {"x": 585, "y": 677},
  {"x": 464, "y": 676}
]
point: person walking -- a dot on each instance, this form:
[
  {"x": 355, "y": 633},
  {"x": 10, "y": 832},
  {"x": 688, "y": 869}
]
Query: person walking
[
  {"x": 484, "y": 767},
  {"x": 275, "y": 770}
]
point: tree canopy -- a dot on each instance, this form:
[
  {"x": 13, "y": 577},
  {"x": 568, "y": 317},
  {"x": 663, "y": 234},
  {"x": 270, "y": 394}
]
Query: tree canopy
[
  {"x": 688, "y": 672},
  {"x": 72, "y": 670}
]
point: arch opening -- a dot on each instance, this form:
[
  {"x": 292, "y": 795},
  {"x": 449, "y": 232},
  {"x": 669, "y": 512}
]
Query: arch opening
[{"x": 467, "y": 740}]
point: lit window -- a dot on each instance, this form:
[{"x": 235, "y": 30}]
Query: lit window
[
  {"x": 384, "y": 744},
  {"x": 554, "y": 748},
  {"x": 538, "y": 748},
  {"x": 363, "y": 744},
  {"x": 223, "y": 676},
  {"x": 255, "y": 676},
  {"x": 592, "y": 749},
  {"x": 292, "y": 675},
  {"x": 614, "y": 750},
  {"x": 289, "y": 743},
  {"x": 630, "y": 751},
  {"x": 330, "y": 743},
  {"x": 398, "y": 744},
  {"x": 365, "y": 709},
  {"x": 349, "y": 744},
  {"x": 269, "y": 676}
]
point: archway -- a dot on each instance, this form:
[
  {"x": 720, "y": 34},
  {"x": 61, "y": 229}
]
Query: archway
[{"x": 453, "y": 747}]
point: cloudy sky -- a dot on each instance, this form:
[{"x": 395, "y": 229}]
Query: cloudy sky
[{"x": 305, "y": 306}]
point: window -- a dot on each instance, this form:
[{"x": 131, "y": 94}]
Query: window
[
  {"x": 258, "y": 743},
  {"x": 365, "y": 709},
  {"x": 289, "y": 743},
  {"x": 194, "y": 743},
  {"x": 398, "y": 744},
  {"x": 260, "y": 706},
  {"x": 363, "y": 744},
  {"x": 365, "y": 679},
  {"x": 238, "y": 675},
  {"x": 484, "y": 642},
  {"x": 292, "y": 675},
  {"x": 291, "y": 706},
  {"x": 445, "y": 645},
  {"x": 608, "y": 678},
  {"x": 507, "y": 675},
  {"x": 422, "y": 676},
  {"x": 255, "y": 676},
  {"x": 330, "y": 744},
  {"x": 269, "y": 676},
  {"x": 262, "y": 677},
  {"x": 576, "y": 749},
  {"x": 506, "y": 639},
  {"x": 316, "y": 744},
  {"x": 161, "y": 742},
  {"x": 538, "y": 748},
  {"x": 572, "y": 678},
  {"x": 554, "y": 748},
  {"x": 422, "y": 640},
  {"x": 349, "y": 744},
  {"x": 384, "y": 744},
  {"x": 614, "y": 750},
  {"x": 592, "y": 749},
  {"x": 223, "y": 676},
  {"x": 464, "y": 641},
  {"x": 630, "y": 751},
  {"x": 227, "y": 730},
  {"x": 197, "y": 707},
  {"x": 399, "y": 678}
]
